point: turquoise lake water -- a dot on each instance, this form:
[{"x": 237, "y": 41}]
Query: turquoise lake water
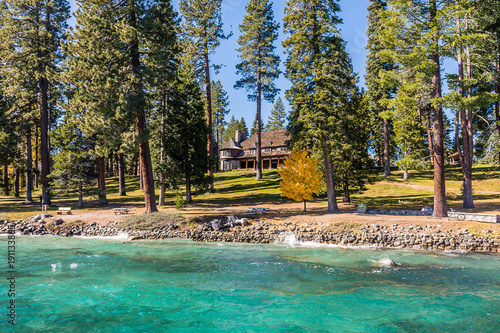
[{"x": 87, "y": 285}]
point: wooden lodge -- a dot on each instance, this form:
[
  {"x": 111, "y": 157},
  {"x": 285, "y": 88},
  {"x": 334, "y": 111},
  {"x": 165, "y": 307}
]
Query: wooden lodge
[{"x": 241, "y": 153}]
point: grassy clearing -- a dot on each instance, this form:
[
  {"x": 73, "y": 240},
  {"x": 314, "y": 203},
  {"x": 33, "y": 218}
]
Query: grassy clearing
[{"x": 241, "y": 188}]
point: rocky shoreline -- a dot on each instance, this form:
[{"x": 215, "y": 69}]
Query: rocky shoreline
[{"x": 395, "y": 236}]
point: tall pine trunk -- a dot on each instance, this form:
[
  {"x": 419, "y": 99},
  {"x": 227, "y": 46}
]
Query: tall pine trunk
[
  {"x": 80, "y": 194},
  {"x": 387, "y": 150},
  {"x": 121, "y": 175},
  {"x": 345, "y": 188},
  {"x": 29, "y": 167},
  {"x": 44, "y": 139},
  {"x": 144, "y": 152},
  {"x": 440, "y": 208},
  {"x": 330, "y": 182},
  {"x": 6, "y": 179},
  {"x": 497, "y": 103},
  {"x": 101, "y": 181},
  {"x": 208, "y": 92},
  {"x": 258, "y": 161},
  {"x": 111, "y": 171},
  {"x": 16, "y": 183},
  {"x": 466, "y": 154},
  {"x": 36, "y": 157},
  {"x": 161, "y": 199}
]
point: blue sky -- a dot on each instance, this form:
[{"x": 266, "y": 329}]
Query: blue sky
[{"x": 353, "y": 31}]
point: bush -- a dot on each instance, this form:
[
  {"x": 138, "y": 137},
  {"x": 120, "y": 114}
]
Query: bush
[
  {"x": 150, "y": 221},
  {"x": 180, "y": 202}
]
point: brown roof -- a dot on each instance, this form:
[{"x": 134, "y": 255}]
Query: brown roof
[
  {"x": 268, "y": 139},
  {"x": 230, "y": 144}
]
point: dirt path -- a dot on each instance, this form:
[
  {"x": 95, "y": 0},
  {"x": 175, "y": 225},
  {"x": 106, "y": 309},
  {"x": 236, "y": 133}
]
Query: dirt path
[{"x": 431, "y": 188}]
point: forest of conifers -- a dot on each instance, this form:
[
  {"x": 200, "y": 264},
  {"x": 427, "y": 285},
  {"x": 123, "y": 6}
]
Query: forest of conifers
[{"x": 129, "y": 87}]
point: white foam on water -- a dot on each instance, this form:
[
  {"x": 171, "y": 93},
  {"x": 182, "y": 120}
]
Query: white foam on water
[
  {"x": 73, "y": 265},
  {"x": 384, "y": 262},
  {"x": 289, "y": 238},
  {"x": 55, "y": 266},
  {"x": 122, "y": 236}
]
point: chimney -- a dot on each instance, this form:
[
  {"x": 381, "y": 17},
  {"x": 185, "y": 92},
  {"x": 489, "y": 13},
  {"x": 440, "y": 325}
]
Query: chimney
[{"x": 239, "y": 136}]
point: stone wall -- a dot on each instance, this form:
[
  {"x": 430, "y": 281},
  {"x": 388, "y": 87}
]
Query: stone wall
[{"x": 399, "y": 237}]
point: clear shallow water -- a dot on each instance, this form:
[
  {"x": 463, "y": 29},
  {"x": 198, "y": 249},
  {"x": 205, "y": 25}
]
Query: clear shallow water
[{"x": 82, "y": 285}]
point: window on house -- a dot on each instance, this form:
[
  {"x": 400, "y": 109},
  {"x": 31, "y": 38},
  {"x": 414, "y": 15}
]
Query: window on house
[
  {"x": 251, "y": 151},
  {"x": 267, "y": 150},
  {"x": 226, "y": 153}
]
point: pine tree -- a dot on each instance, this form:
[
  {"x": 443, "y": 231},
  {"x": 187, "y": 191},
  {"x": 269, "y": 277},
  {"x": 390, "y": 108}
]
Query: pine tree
[
  {"x": 186, "y": 154},
  {"x": 163, "y": 62},
  {"x": 74, "y": 160},
  {"x": 31, "y": 40},
  {"x": 322, "y": 80},
  {"x": 242, "y": 127},
  {"x": 376, "y": 92},
  {"x": 114, "y": 56},
  {"x": 255, "y": 127},
  {"x": 413, "y": 41},
  {"x": 350, "y": 159},
  {"x": 300, "y": 177},
  {"x": 220, "y": 108},
  {"x": 259, "y": 65},
  {"x": 277, "y": 118},
  {"x": 202, "y": 30}
]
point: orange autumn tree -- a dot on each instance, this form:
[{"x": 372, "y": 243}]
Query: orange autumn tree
[{"x": 300, "y": 177}]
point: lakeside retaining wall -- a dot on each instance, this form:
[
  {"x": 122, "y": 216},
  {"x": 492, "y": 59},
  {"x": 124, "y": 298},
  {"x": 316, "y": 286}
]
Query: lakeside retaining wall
[{"x": 398, "y": 237}]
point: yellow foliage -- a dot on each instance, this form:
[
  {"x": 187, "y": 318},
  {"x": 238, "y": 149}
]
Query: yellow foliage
[{"x": 300, "y": 176}]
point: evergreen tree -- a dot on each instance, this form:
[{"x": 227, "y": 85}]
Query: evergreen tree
[
  {"x": 31, "y": 38},
  {"x": 259, "y": 65},
  {"x": 163, "y": 62},
  {"x": 220, "y": 108},
  {"x": 74, "y": 161},
  {"x": 230, "y": 129},
  {"x": 115, "y": 55},
  {"x": 320, "y": 71},
  {"x": 186, "y": 154},
  {"x": 202, "y": 29},
  {"x": 255, "y": 127},
  {"x": 351, "y": 161},
  {"x": 413, "y": 41},
  {"x": 469, "y": 94},
  {"x": 277, "y": 118},
  {"x": 379, "y": 117},
  {"x": 242, "y": 127}
]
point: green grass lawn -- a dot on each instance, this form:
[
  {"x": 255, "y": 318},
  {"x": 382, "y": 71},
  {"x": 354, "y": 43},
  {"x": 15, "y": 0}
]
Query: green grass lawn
[{"x": 241, "y": 188}]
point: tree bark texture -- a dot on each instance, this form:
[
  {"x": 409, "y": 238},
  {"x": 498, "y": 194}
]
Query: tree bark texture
[
  {"x": 16, "y": 182},
  {"x": 111, "y": 171},
  {"x": 121, "y": 175},
  {"x": 387, "y": 150},
  {"x": 29, "y": 167},
  {"x": 44, "y": 139},
  {"x": 210, "y": 143},
  {"x": 80, "y": 194},
  {"x": 345, "y": 188},
  {"x": 330, "y": 181},
  {"x": 36, "y": 179},
  {"x": 101, "y": 181},
  {"x": 6, "y": 179},
  {"x": 259, "y": 116},
  {"x": 144, "y": 152},
  {"x": 440, "y": 208},
  {"x": 465, "y": 151}
]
